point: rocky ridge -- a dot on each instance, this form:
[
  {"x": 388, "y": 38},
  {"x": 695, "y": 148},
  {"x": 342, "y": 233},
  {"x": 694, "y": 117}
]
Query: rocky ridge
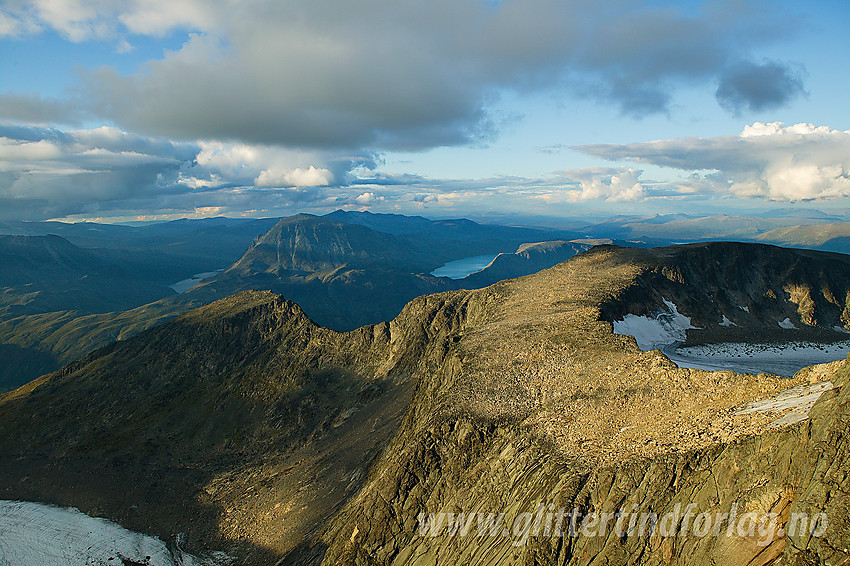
[{"x": 259, "y": 433}]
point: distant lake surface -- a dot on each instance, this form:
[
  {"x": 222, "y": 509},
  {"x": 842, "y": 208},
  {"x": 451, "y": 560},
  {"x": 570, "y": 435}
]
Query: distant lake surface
[
  {"x": 460, "y": 268},
  {"x": 186, "y": 284}
]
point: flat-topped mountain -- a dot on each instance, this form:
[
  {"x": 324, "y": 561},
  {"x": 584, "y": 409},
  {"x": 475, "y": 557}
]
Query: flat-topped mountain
[
  {"x": 307, "y": 243},
  {"x": 833, "y": 237},
  {"x": 255, "y": 431}
]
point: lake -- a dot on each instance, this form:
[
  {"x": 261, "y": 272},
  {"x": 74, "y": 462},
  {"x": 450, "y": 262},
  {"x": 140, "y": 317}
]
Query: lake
[
  {"x": 460, "y": 268},
  {"x": 186, "y": 284}
]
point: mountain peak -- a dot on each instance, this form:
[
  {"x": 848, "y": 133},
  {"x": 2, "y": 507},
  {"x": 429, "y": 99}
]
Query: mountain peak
[{"x": 313, "y": 243}]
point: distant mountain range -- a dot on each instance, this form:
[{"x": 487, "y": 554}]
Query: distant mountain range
[
  {"x": 203, "y": 245},
  {"x": 344, "y": 275},
  {"x": 828, "y": 237},
  {"x": 678, "y": 228}
]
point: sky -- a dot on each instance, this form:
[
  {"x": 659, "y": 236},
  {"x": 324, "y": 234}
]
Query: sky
[{"x": 138, "y": 110}]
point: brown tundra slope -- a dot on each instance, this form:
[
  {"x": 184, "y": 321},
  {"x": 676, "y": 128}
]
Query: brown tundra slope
[{"x": 254, "y": 431}]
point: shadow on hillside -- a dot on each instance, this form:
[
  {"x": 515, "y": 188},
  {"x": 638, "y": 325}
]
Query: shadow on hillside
[{"x": 22, "y": 365}]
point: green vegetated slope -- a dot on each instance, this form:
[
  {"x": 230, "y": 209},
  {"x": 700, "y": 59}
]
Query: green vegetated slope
[
  {"x": 66, "y": 289},
  {"x": 254, "y": 431},
  {"x": 44, "y": 342}
]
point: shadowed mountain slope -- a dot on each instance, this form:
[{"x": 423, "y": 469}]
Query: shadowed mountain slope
[
  {"x": 198, "y": 245},
  {"x": 343, "y": 275},
  {"x": 307, "y": 243},
  {"x": 529, "y": 258},
  {"x": 255, "y": 431},
  {"x": 47, "y": 273},
  {"x": 347, "y": 275},
  {"x": 746, "y": 291}
]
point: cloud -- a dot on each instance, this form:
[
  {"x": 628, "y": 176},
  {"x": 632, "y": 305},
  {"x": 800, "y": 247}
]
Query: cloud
[
  {"x": 82, "y": 20},
  {"x": 772, "y": 161},
  {"x": 758, "y": 87},
  {"x": 35, "y": 109},
  {"x": 305, "y": 75},
  {"x": 368, "y": 198},
  {"x": 298, "y": 177},
  {"x": 621, "y": 186},
  {"x": 50, "y": 173}
]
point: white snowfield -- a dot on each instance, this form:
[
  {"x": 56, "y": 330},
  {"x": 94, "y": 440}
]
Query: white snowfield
[
  {"x": 798, "y": 401},
  {"x": 35, "y": 534},
  {"x": 668, "y": 329},
  {"x": 653, "y": 333},
  {"x": 779, "y": 359}
]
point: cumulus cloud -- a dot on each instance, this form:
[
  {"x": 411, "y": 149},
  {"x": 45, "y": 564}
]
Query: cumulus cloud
[
  {"x": 304, "y": 74},
  {"x": 758, "y": 87},
  {"x": 772, "y": 161},
  {"x": 368, "y": 198},
  {"x": 298, "y": 177},
  {"x": 621, "y": 186},
  {"x": 47, "y": 172}
]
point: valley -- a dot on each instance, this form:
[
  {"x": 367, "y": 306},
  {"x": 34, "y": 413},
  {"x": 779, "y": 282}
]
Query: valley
[{"x": 344, "y": 275}]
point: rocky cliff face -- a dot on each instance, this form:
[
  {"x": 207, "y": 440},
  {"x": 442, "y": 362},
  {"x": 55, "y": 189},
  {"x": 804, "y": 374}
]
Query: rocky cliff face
[
  {"x": 253, "y": 430},
  {"x": 308, "y": 243},
  {"x": 734, "y": 291}
]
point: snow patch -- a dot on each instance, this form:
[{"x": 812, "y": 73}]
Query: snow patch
[
  {"x": 798, "y": 401},
  {"x": 745, "y": 309},
  {"x": 34, "y": 534},
  {"x": 784, "y": 359},
  {"x": 651, "y": 333},
  {"x": 787, "y": 324},
  {"x": 727, "y": 322}
]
